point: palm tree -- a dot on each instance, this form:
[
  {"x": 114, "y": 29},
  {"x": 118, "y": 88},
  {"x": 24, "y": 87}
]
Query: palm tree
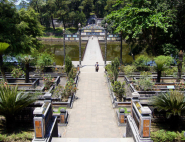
[
  {"x": 26, "y": 60},
  {"x": 161, "y": 64},
  {"x": 3, "y": 47},
  {"x": 173, "y": 103},
  {"x": 11, "y": 102}
]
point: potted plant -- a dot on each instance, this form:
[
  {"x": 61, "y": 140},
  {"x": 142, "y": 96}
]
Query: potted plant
[
  {"x": 69, "y": 89},
  {"x": 119, "y": 90},
  {"x": 48, "y": 81}
]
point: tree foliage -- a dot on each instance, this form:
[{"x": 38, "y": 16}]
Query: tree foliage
[
  {"x": 161, "y": 64},
  {"x": 172, "y": 102},
  {"x": 152, "y": 23},
  {"x": 12, "y": 101}
]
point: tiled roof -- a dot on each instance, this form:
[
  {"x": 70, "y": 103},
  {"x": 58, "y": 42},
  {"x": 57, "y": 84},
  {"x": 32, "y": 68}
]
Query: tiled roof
[{"x": 92, "y": 26}]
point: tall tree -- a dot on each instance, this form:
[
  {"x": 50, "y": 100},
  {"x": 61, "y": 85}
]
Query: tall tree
[
  {"x": 3, "y": 47},
  {"x": 20, "y": 29},
  {"x": 143, "y": 20}
]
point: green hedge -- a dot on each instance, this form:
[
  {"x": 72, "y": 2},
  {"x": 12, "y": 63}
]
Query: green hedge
[
  {"x": 167, "y": 136},
  {"x": 19, "y": 137}
]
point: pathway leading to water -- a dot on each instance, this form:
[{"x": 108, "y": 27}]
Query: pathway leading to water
[
  {"x": 92, "y": 54},
  {"x": 92, "y": 115}
]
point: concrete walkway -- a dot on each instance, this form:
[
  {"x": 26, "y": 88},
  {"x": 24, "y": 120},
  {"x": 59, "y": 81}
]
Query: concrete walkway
[
  {"x": 92, "y": 54},
  {"x": 92, "y": 115}
]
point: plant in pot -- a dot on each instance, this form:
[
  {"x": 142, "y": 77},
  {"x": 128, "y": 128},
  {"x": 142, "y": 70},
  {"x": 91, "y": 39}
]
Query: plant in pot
[
  {"x": 129, "y": 70},
  {"x": 72, "y": 73},
  {"x": 145, "y": 81},
  {"x": 119, "y": 90},
  {"x": 115, "y": 68},
  {"x": 69, "y": 89},
  {"x": 17, "y": 72},
  {"x": 142, "y": 62},
  {"x": 48, "y": 81},
  {"x": 57, "y": 92}
]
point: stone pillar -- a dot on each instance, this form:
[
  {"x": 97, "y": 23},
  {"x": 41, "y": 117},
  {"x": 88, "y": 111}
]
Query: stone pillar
[
  {"x": 122, "y": 116},
  {"x": 39, "y": 123},
  {"x": 145, "y": 122},
  {"x": 62, "y": 115},
  {"x": 135, "y": 98},
  {"x": 78, "y": 68}
]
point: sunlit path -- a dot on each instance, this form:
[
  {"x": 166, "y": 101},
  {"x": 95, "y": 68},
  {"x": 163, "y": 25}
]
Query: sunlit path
[{"x": 92, "y": 115}]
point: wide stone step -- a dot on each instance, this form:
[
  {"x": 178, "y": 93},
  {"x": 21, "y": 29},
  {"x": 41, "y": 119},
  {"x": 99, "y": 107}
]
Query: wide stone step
[{"x": 92, "y": 140}]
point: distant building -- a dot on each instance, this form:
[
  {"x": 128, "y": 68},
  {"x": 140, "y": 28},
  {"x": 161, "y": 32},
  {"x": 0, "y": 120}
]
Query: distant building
[{"x": 94, "y": 20}]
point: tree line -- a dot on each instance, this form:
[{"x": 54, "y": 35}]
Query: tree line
[
  {"x": 155, "y": 25},
  {"x": 70, "y": 12}
]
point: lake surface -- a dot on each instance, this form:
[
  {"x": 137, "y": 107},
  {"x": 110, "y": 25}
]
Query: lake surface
[{"x": 72, "y": 50}]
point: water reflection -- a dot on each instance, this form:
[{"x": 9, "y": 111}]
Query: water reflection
[{"x": 72, "y": 50}]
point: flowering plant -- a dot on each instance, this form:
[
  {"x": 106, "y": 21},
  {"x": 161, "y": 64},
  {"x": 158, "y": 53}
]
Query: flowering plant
[
  {"x": 70, "y": 88},
  {"x": 48, "y": 81},
  {"x": 2, "y": 82},
  {"x": 58, "y": 91},
  {"x": 17, "y": 72},
  {"x": 72, "y": 73},
  {"x": 180, "y": 86}
]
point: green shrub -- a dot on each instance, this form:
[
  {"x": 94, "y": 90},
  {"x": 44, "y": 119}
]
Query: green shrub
[
  {"x": 72, "y": 73},
  {"x": 44, "y": 59},
  {"x": 20, "y": 137},
  {"x": 171, "y": 71},
  {"x": 118, "y": 89},
  {"x": 68, "y": 65},
  {"x": 167, "y": 136},
  {"x": 128, "y": 70},
  {"x": 108, "y": 67},
  {"x": 141, "y": 61},
  {"x": 115, "y": 68},
  {"x": 17, "y": 72},
  {"x": 145, "y": 81}
]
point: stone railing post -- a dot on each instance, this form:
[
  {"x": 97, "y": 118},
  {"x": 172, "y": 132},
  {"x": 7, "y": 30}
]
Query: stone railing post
[
  {"x": 135, "y": 98},
  {"x": 122, "y": 116},
  {"x": 39, "y": 123},
  {"x": 145, "y": 122},
  {"x": 62, "y": 115}
]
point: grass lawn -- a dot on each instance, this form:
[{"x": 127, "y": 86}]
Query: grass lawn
[{"x": 22, "y": 132}]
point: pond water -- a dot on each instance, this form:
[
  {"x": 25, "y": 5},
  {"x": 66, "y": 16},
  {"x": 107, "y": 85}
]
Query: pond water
[{"x": 72, "y": 50}]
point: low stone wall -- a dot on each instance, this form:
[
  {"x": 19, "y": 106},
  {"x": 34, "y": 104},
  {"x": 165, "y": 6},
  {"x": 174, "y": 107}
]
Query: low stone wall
[
  {"x": 45, "y": 124},
  {"x": 114, "y": 101}
]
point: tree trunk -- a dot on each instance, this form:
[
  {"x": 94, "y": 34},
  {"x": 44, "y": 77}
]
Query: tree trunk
[
  {"x": 121, "y": 62},
  {"x": 27, "y": 73},
  {"x": 179, "y": 71},
  {"x": 158, "y": 76},
  {"x": 2, "y": 68},
  {"x": 52, "y": 23}
]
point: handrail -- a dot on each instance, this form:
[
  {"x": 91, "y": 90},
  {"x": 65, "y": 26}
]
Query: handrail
[
  {"x": 84, "y": 50},
  {"x": 101, "y": 50}
]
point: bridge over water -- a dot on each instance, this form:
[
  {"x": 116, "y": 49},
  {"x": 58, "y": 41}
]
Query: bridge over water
[{"x": 92, "y": 53}]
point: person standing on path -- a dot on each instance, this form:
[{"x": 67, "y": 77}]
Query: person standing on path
[{"x": 96, "y": 66}]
